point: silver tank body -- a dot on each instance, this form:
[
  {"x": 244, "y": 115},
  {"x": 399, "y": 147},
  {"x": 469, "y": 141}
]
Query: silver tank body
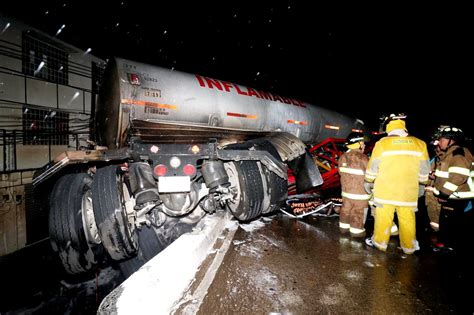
[{"x": 134, "y": 92}]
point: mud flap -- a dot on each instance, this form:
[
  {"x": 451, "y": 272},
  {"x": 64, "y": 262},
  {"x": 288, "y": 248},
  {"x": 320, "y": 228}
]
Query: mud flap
[{"x": 307, "y": 174}]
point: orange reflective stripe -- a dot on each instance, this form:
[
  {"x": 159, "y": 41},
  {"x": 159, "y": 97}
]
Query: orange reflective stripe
[
  {"x": 297, "y": 122},
  {"x": 146, "y": 103},
  {"x": 241, "y": 115},
  {"x": 331, "y": 127}
]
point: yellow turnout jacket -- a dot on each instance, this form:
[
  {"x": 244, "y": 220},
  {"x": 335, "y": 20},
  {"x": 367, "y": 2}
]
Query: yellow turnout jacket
[{"x": 397, "y": 166}]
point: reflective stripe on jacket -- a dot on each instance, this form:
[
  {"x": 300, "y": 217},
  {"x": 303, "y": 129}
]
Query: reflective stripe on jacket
[
  {"x": 398, "y": 165},
  {"x": 454, "y": 174},
  {"x": 352, "y": 165}
]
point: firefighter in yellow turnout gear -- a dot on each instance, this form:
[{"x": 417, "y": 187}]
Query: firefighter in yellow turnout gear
[
  {"x": 355, "y": 201},
  {"x": 397, "y": 166}
]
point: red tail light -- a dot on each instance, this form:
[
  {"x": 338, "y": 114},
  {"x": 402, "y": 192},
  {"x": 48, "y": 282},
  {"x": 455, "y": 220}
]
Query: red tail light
[
  {"x": 189, "y": 170},
  {"x": 160, "y": 170}
]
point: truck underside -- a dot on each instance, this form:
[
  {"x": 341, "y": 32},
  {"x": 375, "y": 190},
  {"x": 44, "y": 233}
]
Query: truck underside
[{"x": 128, "y": 204}]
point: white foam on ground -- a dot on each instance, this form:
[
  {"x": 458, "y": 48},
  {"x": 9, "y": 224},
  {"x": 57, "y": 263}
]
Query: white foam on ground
[{"x": 252, "y": 226}]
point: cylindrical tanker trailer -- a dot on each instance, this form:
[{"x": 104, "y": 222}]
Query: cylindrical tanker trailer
[
  {"x": 139, "y": 92},
  {"x": 171, "y": 147}
]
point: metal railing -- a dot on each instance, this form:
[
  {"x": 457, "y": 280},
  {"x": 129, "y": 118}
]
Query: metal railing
[
  {"x": 12, "y": 130},
  {"x": 11, "y": 139}
]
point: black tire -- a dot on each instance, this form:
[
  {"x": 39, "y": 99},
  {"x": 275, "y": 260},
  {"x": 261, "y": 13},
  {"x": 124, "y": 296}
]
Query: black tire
[
  {"x": 250, "y": 198},
  {"x": 277, "y": 186},
  {"x": 66, "y": 227},
  {"x": 149, "y": 246},
  {"x": 115, "y": 230}
]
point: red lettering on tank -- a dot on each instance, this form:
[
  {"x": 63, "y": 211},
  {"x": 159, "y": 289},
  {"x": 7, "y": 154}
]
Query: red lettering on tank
[
  {"x": 265, "y": 95},
  {"x": 297, "y": 103},
  {"x": 239, "y": 90},
  {"x": 286, "y": 100},
  {"x": 252, "y": 92},
  {"x": 277, "y": 98},
  {"x": 227, "y": 85},
  {"x": 216, "y": 83},
  {"x": 200, "y": 80}
]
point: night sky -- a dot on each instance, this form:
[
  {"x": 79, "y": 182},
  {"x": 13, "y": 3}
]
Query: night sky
[{"x": 358, "y": 60}]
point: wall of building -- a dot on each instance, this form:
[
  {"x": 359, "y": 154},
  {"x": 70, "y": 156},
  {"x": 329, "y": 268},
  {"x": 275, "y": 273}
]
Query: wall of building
[{"x": 22, "y": 94}]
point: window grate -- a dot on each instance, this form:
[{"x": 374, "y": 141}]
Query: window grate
[
  {"x": 97, "y": 77},
  {"x": 44, "y": 61},
  {"x": 43, "y": 127}
]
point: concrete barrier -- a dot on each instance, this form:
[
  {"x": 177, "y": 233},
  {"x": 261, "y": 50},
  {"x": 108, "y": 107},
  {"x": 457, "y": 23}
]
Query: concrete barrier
[{"x": 160, "y": 284}]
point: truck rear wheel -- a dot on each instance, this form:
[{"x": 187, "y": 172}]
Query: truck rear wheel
[
  {"x": 150, "y": 246},
  {"x": 72, "y": 230},
  {"x": 245, "y": 178},
  {"x": 277, "y": 186},
  {"x": 109, "y": 195}
]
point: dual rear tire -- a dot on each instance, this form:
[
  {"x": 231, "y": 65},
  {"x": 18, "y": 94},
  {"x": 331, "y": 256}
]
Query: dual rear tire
[
  {"x": 257, "y": 189},
  {"x": 72, "y": 232},
  {"x": 110, "y": 194},
  {"x": 88, "y": 217}
]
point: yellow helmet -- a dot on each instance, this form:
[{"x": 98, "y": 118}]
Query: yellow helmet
[{"x": 392, "y": 122}]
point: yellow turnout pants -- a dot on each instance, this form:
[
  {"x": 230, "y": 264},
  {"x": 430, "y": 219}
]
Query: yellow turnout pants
[{"x": 407, "y": 227}]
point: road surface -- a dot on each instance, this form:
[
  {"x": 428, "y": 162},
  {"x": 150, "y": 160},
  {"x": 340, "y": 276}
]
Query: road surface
[{"x": 274, "y": 265}]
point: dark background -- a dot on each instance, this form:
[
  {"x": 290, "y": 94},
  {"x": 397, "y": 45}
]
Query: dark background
[{"x": 362, "y": 60}]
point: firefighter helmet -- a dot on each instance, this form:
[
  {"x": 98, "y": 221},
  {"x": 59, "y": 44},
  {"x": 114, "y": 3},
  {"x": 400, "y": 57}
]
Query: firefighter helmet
[
  {"x": 355, "y": 137},
  {"x": 449, "y": 132},
  {"x": 385, "y": 120},
  {"x": 437, "y": 134}
]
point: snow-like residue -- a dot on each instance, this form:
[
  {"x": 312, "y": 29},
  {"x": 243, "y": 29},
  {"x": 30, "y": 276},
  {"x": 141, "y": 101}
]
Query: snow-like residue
[
  {"x": 272, "y": 242},
  {"x": 249, "y": 250},
  {"x": 232, "y": 225},
  {"x": 161, "y": 282},
  {"x": 265, "y": 278},
  {"x": 252, "y": 226},
  {"x": 253, "y": 244},
  {"x": 268, "y": 282},
  {"x": 334, "y": 294},
  {"x": 353, "y": 275}
]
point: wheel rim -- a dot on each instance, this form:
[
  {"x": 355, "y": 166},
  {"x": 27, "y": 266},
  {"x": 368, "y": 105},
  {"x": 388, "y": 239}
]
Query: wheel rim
[
  {"x": 88, "y": 219},
  {"x": 128, "y": 212},
  {"x": 234, "y": 184}
]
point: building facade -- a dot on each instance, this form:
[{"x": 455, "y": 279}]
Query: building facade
[{"x": 48, "y": 90}]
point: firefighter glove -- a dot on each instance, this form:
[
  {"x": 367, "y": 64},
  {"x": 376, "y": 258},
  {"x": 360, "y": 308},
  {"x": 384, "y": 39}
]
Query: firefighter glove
[{"x": 368, "y": 187}]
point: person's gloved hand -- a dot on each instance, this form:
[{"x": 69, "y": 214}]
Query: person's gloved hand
[
  {"x": 429, "y": 188},
  {"x": 368, "y": 187},
  {"x": 421, "y": 190}
]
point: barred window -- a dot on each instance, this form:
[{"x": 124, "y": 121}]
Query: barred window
[
  {"x": 42, "y": 127},
  {"x": 97, "y": 76},
  {"x": 43, "y": 60}
]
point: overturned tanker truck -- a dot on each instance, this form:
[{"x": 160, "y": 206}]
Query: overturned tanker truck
[{"x": 171, "y": 147}]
